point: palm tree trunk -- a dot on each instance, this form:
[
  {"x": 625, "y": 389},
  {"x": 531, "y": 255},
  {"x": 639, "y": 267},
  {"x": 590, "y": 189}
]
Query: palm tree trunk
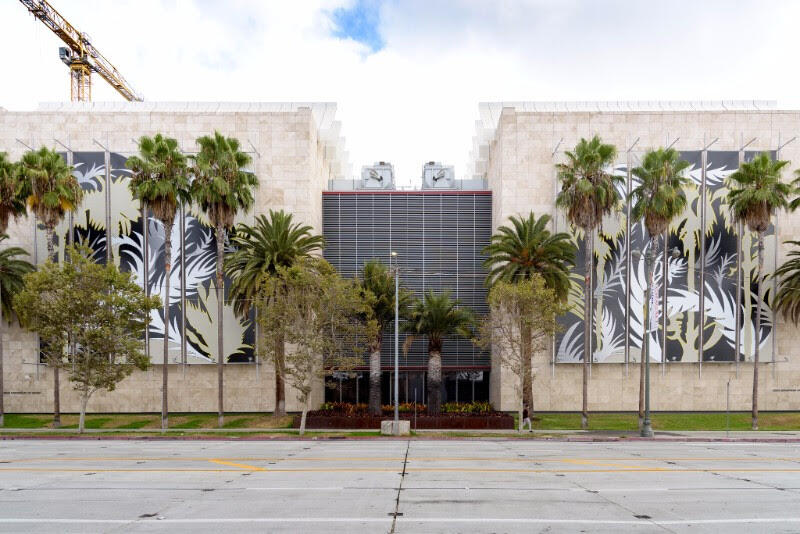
[
  {"x": 50, "y": 233},
  {"x": 588, "y": 241},
  {"x": 2, "y": 406},
  {"x": 164, "y": 371},
  {"x": 527, "y": 367},
  {"x": 280, "y": 393},
  {"x": 434, "y": 382},
  {"x": 220, "y": 345},
  {"x": 375, "y": 378},
  {"x": 757, "y": 351}
]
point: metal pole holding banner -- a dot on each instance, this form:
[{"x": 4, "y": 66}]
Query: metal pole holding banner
[
  {"x": 737, "y": 344},
  {"x": 702, "y": 299},
  {"x": 107, "y": 188},
  {"x": 628, "y": 264}
]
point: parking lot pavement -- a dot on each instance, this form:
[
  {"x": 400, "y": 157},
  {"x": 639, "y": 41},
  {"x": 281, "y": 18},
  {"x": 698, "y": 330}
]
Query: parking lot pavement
[{"x": 398, "y": 486}]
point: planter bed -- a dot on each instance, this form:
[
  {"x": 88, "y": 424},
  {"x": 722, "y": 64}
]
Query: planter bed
[{"x": 322, "y": 420}]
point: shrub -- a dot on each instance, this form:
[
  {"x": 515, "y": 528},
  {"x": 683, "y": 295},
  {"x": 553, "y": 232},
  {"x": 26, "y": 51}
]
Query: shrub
[
  {"x": 344, "y": 408},
  {"x": 477, "y": 407},
  {"x": 406, "y": 407}
]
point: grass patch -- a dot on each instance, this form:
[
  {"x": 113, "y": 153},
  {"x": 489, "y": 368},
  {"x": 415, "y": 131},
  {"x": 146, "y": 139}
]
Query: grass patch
[
  {"x": 18, "y": 420},
  {"x": 666, "y": 421}
]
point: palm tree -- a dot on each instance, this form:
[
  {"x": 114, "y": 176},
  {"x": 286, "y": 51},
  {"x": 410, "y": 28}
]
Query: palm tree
[
  {"x": 519, "y": 251},
  {"x": 755, "y": 193},
  {"x": 160, "y": 182},
  {"x": 378, "y": 280},
  {"x": 53, "y": 191},
  {"x": 272, "y": 242},
  {"x": 13, "y": 192},
  {"x": 222, "y": 188},
  {"x": 659, "y": 197},
  {"x": 588, "y": 193},
  {"x": 787, "y": 299},
  {"x": 437, "y": 317}
]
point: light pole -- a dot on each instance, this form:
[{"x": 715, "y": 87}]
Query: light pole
[
  {"x": 396, "y": 348},
  {"x": 647, "y": 428}
]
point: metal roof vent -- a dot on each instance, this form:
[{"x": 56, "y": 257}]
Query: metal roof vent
[
  {"x": 438, "y": 176},
  {"x": 378, "y": 176}
]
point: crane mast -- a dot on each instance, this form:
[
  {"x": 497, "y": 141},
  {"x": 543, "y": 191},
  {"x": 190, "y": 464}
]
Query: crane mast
[{"x": 80, "y": 55}]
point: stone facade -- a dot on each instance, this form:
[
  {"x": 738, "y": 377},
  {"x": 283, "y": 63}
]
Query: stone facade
[
  {"x": 518, "y": 150},
  {"x": 296, "y": 150}
]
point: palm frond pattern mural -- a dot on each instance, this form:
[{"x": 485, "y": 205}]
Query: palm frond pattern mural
[
  {"x": 137, "y": 246},
  {"x": 619, "y": 280}
]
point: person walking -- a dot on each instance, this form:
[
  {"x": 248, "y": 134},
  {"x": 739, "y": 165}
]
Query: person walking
[{"x": 526, "y": 419}]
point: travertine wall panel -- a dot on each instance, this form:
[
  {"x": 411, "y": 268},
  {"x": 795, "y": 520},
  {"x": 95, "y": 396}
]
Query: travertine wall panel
[
  {"x": 293, "y": 169},
  {"x": 521, "y": 175}
]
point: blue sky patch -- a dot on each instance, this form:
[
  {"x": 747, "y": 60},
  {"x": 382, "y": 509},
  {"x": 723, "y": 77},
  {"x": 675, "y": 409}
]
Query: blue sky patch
[{"x": 360, "y": 23}]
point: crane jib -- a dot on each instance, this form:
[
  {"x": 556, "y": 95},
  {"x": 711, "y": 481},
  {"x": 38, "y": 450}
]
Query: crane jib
[{"x": 80, "y": 55}]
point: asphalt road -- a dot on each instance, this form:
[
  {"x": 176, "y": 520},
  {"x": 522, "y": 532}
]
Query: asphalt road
[{"x": 432, "y": 486}]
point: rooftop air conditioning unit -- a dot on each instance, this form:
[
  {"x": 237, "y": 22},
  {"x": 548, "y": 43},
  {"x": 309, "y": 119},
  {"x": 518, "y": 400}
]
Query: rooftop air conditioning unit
[
  {"x": 438, "y": 176},
  {"x": 378, "y": 176}
]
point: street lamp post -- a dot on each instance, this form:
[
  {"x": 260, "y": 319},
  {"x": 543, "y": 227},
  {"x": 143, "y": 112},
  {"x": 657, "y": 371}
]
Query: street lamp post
[
  {"x": 647, "y": 428},
  {"x": 396, "y": 348}
]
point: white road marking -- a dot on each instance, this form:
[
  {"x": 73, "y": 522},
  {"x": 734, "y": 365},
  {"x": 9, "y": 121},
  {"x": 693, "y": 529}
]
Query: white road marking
[{"x": 526, "y": 520}]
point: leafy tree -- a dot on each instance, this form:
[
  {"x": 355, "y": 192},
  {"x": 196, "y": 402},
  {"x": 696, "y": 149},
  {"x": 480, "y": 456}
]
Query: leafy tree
[
  {"x": 53, "y": 192},
  {"x": 522, "y": 319},
  {"x": 160, "y": 182},
  {"x": 755, "y": 192},
  {"x": 12, "y": 271},
  {"x": 273, "y": 242},
  {"x": 787, "y": 299},
  {"x": 437, "y": 317},
  {"x": 527, "y": 249},
  {"x": 222, "y": 188},
  {"x": 321, "y": 317},
  {"x": 378, "y": 282},
  {"x": 588, "y": 193},
  {"x": 97, "y": 309},
  {"x": 659, "y": 197}
]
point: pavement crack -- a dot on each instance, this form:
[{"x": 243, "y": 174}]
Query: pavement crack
[{"x": 399, "y": 489}]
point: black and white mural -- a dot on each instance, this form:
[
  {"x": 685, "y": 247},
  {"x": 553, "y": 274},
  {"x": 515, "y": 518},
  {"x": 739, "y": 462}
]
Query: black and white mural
[
  {"x": 137, "y": 246},
  {"x": 619, "y": 280}
]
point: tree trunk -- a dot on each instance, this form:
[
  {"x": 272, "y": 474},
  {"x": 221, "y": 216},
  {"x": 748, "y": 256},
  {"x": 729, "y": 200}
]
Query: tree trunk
[
  {"x": 82, "y": 419},
  {"x": 757, "y": 351},
  {"x": 434, "y": 382},
  {"x": 641, "y": 383},
  {"x": 587, "y": 320},
  {"x": 220, "y": 332},
  {"x": 50, "y": 233},
  {"x": 375, "y": 378},
  {"x": 527, "y": 367},
  {"x": 303, "y": 418},
  {"x": 2, "y": 406},
  {"x": 164, "y": 370},
  {"x": 280, "y": 392}
]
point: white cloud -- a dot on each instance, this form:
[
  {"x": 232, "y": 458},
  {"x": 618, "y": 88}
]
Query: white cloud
[{"x": 416, "y": 99}]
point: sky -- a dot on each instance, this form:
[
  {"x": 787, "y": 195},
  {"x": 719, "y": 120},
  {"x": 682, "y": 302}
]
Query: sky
[{"x": 408, "y": 75}]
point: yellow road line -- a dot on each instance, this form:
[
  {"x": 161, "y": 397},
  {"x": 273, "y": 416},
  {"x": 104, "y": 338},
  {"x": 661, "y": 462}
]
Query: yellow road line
[
  {"x": 389, "y": 470},
  {"x": 234, "y": 464}
]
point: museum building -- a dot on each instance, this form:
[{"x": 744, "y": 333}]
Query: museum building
[{"x": 701, "y": 343}]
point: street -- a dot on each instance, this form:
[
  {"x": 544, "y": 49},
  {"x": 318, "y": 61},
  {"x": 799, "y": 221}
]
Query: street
[{"x": 398, "y": 486}]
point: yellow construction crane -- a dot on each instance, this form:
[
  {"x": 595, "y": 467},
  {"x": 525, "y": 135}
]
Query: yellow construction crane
[{"x": 80, "y": 56}]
